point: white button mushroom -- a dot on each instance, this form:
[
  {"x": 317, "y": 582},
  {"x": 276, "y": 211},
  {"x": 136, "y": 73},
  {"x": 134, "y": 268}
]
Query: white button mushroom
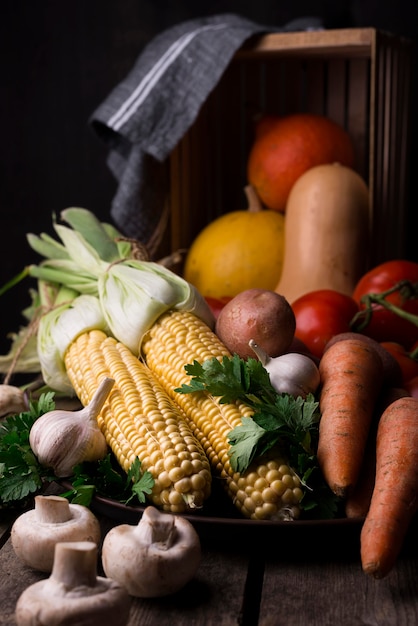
[
  {"x": 157, "y": 557},
  {"x": 74, "y": 594},
  {"x": 36, "y": 532}
]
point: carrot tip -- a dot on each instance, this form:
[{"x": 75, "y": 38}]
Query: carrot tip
[
  {"x": 374, "y": 570},
  {"x": 340, "y": 491}
]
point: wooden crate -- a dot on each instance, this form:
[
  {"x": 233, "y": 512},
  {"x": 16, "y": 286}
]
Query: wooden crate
[{"x": 359, "y": 78}]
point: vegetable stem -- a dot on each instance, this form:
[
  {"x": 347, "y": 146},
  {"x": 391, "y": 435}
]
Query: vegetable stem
[
  {"x": 406, "y": 289},
  {"x": 14, "y": 281}
]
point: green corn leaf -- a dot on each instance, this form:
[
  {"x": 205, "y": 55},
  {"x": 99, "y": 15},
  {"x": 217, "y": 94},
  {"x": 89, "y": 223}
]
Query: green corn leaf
[
  {"x": 47, "y": 246},
  {"x": 93, "y": 231}
]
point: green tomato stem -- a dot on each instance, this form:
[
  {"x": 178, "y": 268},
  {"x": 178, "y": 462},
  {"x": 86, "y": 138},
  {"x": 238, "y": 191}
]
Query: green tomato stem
[{"x": 408, "y": 291}]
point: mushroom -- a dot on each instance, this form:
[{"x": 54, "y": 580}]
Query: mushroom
[
  {"x": 74, "y": 594},
  {"x": 157, "y": 557},
  {"x": 35, "y": 533}
]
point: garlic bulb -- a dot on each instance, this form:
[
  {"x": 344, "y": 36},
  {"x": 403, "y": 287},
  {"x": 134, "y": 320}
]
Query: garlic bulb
[
  {"x": 12, "y": 400},
  {"x": 292, "y": 373},
  {"x": 63, "y": 439}
]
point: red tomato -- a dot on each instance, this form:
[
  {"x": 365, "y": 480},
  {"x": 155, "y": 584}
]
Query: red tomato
[
  {"x": 320, "y": 315},
  {"x": 217, "y": 304},
  {"x": 385, "y": 325},
  {"x": 408, "y": 365}
]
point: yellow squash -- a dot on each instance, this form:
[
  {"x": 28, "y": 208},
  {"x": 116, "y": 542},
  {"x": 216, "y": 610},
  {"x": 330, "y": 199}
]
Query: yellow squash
[{"x": 237, "y": 251}]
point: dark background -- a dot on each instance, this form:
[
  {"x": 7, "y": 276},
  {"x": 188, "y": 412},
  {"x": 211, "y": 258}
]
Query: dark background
[{"x": 59, "y": 60}]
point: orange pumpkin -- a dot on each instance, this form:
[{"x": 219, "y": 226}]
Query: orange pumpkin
[{"x": 286, "y": 147}]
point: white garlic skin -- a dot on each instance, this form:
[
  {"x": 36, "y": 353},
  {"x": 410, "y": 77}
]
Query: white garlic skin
[
  {"x": 292, "y": 373},
  {"x": 61, "y": 440}
]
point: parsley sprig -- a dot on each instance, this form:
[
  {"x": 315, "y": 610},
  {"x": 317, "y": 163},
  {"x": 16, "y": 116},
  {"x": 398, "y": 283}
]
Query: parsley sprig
[
  {"x": 106, "y": 478},
  {"x": 279, "y": 421},
  {"x": 21, "y": 475}
]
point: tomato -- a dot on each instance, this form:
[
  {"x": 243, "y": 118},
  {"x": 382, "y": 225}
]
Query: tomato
[
  {"x": 217, "y": 304},
  {"x": 320, "y": 315},
  {"x": 386, "y": 325},
  {"x": 408, "y": 365}
]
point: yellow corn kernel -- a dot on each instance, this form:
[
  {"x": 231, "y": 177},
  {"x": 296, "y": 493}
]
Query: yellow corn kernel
[
  {"x": 262, "y": 491},
  {"x": 140, "y": 420}
]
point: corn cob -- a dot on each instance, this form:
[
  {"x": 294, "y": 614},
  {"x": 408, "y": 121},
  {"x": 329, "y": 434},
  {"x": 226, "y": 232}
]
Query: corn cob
[
  {"x": 140, "y": 420},
  {"x": 268, "y": 489}
]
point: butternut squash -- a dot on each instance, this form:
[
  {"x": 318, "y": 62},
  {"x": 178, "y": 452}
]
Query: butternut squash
[{"x": 326, "y": 232}]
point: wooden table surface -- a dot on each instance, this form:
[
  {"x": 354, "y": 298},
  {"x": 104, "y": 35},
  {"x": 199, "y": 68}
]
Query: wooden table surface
[{"x": 292, "y": 575}]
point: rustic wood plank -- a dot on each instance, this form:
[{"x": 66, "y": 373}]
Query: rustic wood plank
[
  {"x": 214, "y": 596},
  {"x": 320, "y": 582},
  {"x": 338, "y": 42},
  {"x": 14, "y": 578},
  {"x": 344, "y": 595}
]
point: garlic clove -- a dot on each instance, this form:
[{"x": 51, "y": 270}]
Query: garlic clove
[{"x": 62, "y": 439}]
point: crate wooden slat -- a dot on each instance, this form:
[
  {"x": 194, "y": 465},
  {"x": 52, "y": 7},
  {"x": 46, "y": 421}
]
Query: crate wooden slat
[{"x": 360, "y": 78}]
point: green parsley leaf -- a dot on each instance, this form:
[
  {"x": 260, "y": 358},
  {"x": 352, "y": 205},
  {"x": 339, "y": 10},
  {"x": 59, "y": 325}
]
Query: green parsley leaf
[
  {"x": 245, "y": 440},
  {"x": 142, "y": 482},
  {"x": 230, "y": 379},
  {"x": 106, "y": 478},
  {"x": 21, "y": 475}
]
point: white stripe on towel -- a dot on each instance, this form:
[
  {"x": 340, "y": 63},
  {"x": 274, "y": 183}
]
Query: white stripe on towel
[{"x": 130, "y": 106}]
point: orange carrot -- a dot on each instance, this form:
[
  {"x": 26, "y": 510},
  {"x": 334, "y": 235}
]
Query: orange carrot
[
  {"x": 395, "y": 495},
  {"x": 351, "y": 378},
  {"x": 358, "y": 500}
]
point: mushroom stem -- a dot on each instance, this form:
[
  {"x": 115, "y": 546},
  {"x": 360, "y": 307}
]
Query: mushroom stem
[
  {"x": 52, "y": 509},
  {"x": 157, "y": 529},
  {"x": 75, "y": 564}
]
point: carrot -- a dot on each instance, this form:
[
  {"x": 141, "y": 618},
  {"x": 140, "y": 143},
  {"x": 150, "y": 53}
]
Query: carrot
[
  {"x": 395, "y": 495},
  {"x": 351, "y": 378},
  {"x": 392, "y": 373},
  {"x": 358, "y": 500}
]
